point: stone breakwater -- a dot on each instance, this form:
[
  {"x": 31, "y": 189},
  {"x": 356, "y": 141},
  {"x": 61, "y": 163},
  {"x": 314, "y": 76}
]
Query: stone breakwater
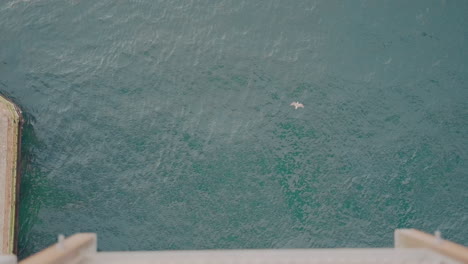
[{"x": 10, "y": 142}]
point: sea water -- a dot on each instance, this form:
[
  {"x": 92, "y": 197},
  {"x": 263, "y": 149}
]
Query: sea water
[{"x": 168, "y": 125}]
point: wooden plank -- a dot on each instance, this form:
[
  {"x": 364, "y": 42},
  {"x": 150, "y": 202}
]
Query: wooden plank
[
  {"x": 71, "y": 250},
  {"x": 10, "y": 136},
  {"x": 276, "y": 256},
  {"x": 412, "y": 238}
]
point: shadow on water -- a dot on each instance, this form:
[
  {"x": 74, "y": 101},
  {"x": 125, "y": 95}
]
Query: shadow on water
[{"x": 28, "y": 206}]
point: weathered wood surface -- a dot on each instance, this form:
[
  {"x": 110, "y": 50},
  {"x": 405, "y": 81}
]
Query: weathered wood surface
[{"x": 10, "y": 130}]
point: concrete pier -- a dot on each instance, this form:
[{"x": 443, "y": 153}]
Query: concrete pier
[{"x": 10, "y": 141}]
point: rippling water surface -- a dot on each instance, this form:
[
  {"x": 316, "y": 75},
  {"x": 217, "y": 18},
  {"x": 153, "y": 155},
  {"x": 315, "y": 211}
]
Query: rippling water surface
[{"x": 167, "y": 125}]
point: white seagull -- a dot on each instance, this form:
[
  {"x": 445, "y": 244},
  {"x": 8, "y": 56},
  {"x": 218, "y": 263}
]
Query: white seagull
[{"x": 297, "y": 105}]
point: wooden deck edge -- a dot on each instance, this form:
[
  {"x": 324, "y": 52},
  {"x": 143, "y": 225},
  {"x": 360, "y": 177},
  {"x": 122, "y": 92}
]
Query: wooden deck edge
[
  {"x": 15, "y": 115},
  {"x": 18, "y": 179},
  {"x": 71, "y": 250},
  {"x": 412, "y": 238}
]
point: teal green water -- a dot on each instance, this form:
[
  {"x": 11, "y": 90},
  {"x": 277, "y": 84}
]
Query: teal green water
[{"x": 167, "y": 124}]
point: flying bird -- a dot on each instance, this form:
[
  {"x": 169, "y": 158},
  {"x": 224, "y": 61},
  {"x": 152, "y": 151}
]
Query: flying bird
[{"x": 297, "y": 105}]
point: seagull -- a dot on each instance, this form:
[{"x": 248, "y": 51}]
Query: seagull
[{"x": 297, "y": 105}]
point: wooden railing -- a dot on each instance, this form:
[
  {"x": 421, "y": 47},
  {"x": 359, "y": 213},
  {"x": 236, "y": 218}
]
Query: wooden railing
[
  {"x": 412, "y": 238},
  {"x": 72, "y": 250}
]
